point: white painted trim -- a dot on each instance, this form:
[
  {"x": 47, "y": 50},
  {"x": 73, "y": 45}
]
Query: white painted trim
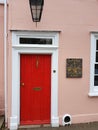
[
  {"x": 18, "y": 49},
  {"x": 2, "y": 1},
  {"x": 13, "y": 123},
  {"x": 93, "y": 89}
]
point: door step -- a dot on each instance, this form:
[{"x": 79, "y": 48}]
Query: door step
[
  {"x": 33, "y": 126},
  {"x": 2, "y": 124}
]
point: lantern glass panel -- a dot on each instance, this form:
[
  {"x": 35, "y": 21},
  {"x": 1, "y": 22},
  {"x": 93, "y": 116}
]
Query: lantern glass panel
[
  {"x": 38, "y": 14},
  {"x": 33, "y": 7},
  {"x": 36, "y": 7},
  {"x": 34, "y": 15},
  {"x": 39, "y": 7}
]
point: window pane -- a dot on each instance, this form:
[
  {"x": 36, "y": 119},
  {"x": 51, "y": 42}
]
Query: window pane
[
  {"x": 96, "y": 81},
  {"x": 35, "y": 41},
  {"x": 96, "y": 68},
  {"x": 96, "y": 44},
  {"x": 96, "y": 56}
]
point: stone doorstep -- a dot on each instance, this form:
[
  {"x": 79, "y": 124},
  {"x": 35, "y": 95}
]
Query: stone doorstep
[
  {"x": 1, "y": 122},
  {"x": 34, "y": 126},
  {"x": 29, "y": 126}
]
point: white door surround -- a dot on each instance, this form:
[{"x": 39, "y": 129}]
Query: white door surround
[{"x": 18, "y": 49}]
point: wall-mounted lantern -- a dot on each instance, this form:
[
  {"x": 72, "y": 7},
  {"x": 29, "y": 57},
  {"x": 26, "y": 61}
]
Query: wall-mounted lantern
[{"x": 36, "y": 7}]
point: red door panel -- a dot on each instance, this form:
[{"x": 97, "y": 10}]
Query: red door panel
[{"x": 35, "y": 89}]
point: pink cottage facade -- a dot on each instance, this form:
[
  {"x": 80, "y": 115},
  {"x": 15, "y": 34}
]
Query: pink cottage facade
[{"x": 66, "y": 39}]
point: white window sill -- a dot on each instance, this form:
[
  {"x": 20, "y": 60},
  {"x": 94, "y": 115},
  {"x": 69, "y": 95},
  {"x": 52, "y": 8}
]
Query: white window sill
[
  {"x": 1, "y": 1},
  {"x": 93, "y": 94}
]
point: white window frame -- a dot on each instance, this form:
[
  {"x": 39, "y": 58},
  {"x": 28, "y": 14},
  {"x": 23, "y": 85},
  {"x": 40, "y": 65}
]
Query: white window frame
[
  {"x": 1, "y": 1},
  {"x": 93, "y": 89},
  {"x": 18, "y": 49}
]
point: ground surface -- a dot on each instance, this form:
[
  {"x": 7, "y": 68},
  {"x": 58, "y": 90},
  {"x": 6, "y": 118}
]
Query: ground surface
[{"x": 87, "y": 126}]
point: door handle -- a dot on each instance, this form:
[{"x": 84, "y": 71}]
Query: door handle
[
  {"x": 37, "y": 88},
  {"x": 21, "y": 84}
]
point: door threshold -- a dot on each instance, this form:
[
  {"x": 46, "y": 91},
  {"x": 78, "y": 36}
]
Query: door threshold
[
  {"x": 29, "y": 126},
  {"x": 34, "y": 126}
]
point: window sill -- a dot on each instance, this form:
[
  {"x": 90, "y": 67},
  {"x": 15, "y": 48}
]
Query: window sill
[
  {"x": 1, "y": 1},
  {"x": 92, "y": 94}
]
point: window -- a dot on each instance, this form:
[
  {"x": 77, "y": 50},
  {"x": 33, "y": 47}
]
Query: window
[
  {"x": 40, "y": 41},
  {"x": 94, "y": 65}
]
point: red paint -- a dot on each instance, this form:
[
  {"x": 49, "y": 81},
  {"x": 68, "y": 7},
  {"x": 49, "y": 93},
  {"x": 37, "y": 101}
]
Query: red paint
[{"x": 35, "y": 93}]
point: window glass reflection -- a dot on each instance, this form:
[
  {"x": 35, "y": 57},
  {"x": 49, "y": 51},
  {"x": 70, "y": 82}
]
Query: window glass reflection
[{"x": 35, "y": 41}]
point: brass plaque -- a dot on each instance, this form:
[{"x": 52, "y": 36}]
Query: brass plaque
[{"x": 74, "y": 68}]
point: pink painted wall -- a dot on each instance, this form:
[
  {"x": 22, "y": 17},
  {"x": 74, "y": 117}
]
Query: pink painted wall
[
  {"x": 1, "y": 60},
  {"x": 75, "y": 19}
]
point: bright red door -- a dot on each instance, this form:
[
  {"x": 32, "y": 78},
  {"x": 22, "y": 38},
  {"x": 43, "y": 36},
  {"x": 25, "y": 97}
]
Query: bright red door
[{"x": 35, "y": 89}]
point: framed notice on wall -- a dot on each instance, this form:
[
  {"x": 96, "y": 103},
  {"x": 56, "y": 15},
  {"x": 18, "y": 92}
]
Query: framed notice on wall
[{"x": 74, "y": 68}]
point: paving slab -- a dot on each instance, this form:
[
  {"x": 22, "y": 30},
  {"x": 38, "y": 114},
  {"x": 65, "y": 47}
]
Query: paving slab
[
  {"x": 86, "y": 126},
  {"x": 1, "y": 122},
  {"x": 83, "y": 126}
]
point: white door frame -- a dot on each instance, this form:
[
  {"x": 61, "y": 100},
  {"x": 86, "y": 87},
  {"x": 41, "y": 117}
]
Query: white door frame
[{"x": 18, "y": 49}]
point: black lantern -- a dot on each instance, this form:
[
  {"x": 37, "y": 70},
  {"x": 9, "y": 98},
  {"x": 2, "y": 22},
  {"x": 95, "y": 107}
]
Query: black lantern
[{"x": 36, "y": 7}]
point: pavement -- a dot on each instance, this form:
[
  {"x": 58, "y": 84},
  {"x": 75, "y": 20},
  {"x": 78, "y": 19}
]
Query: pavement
[
  {"x": 85, "y": 126},
  {"x": 1, "y": 122}
]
